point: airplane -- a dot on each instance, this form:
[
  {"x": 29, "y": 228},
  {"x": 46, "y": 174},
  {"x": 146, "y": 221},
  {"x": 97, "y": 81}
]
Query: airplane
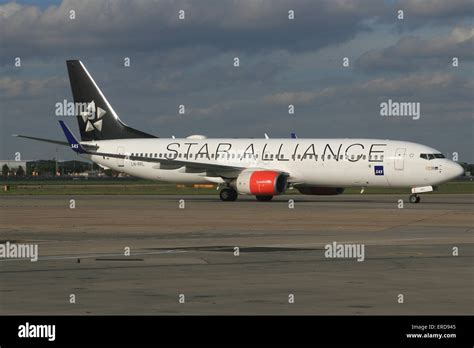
[{"x": 263, "y": 168}]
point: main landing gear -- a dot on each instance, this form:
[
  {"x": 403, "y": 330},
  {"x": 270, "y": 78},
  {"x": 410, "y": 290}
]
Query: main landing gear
[
  {"x": 414, "y": 198},
  {"x": 228, "y": 194}
]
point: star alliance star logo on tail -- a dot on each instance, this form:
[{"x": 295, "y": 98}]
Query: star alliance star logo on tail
[{"x": 92, "y": 117}]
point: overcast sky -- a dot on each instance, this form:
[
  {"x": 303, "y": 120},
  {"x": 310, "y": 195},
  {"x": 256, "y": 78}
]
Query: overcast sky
[{"x": 282, "y": 62}]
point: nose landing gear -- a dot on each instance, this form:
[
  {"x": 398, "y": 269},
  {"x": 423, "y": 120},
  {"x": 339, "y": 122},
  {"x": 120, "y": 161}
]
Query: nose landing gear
[{"x": 414, "y": 198}]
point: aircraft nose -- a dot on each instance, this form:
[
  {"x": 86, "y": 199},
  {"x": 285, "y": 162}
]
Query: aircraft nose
[{"x": 455, "y": 170}]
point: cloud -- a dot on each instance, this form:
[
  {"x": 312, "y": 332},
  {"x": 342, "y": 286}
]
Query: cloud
[
  {"x": 413, "y": 53},
  {"x": 302, "y": 97},
  {"x": 14, "y": 88},
  {"x": 132, "y": 27},
  {"x": 431, "y": 89},
  {"x": 437, "y": 9}
]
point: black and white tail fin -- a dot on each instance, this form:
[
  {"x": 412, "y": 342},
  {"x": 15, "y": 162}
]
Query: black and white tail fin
[{"x": 97, "y": 119}]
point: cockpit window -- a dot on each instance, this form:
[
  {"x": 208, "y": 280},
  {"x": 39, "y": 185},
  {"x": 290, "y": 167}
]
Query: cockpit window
[{"x": 430, "y": 156}]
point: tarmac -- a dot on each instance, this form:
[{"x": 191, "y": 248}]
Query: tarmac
[{"x": 418, "y": 259}]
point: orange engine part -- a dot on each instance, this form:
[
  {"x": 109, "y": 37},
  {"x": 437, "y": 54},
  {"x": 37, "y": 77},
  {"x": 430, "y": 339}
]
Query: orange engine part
[{"x": 266, "y": 182}]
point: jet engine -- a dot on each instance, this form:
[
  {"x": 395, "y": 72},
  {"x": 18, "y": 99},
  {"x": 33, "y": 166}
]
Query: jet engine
[{"x": 261, "y": 182}]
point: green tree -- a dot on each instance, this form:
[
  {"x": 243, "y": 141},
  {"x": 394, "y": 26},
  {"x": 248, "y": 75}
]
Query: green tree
[
  {"x": 5, "y": 170},
  {"x": 20, "y": 171}
]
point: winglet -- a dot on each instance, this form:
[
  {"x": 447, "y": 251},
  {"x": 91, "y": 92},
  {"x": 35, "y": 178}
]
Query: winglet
[{"x": 75, "y": 146}]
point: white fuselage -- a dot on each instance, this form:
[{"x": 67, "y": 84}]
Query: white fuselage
[{"x": 321, "y": 162}]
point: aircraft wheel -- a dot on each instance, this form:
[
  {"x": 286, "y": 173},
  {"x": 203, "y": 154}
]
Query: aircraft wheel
[
  {"x": 228, "y": 195},
  {"x": 264, "y": 198},
  {"x": 415, "y": 199}
]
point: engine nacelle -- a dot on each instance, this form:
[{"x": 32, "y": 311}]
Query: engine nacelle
[
  {"x": 323, "y": 191},
  {"x": 261, "y": 183}
]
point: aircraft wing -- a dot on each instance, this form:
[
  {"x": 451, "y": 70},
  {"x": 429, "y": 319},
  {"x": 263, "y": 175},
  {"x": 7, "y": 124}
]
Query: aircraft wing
[{"x": 211, "y": 169}]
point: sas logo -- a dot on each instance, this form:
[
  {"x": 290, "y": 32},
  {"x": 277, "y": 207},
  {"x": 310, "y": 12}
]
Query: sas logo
[{"x": 378, "y": 170}]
